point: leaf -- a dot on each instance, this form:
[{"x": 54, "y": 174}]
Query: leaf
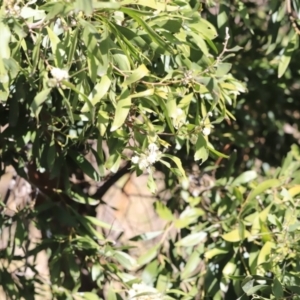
[
  {"x": 271, "y": 183},
  {"x": 160, "y": 6},
  {"x": 84, "y": 5},
  {"x": 103, "y": 122},
  {"x": 191, "y": 265},
  {"x": 100, "y": 223},
  {"x": 125, "y": 260},
  {"x": 201, "y": 149},
  {"x": 148, "y": 256},
  {"x": 113, "y": 163},
  {"x": 255, "y": 289},
  {"x": 185, "y": 101},
  {"x": 214, "y": 252},
  {"x": 39, "y": 99},
  {"x": 204, "y": 28},
  {"x": 106, "y": 5},
  {"x": 244, "y": 178},
  {"x": 151, "y": 184},
  {"x": 235, "y": 236},
  {"x": 265, "y": 253},
  {"x": 122, "y": 110},
  {"x": 153, "y": 35},
  {"x": 223, "y": 69},
  {"x": 287, "y": 55},
  {"x": 277, "y": 288},
  {"x": 192, "y": 239},
  {"x": 136, "y": 75},
  {"x": 295, "y": 190},
  {"x": 83, "y": 199},
  {"x": 84, "y": 165},
  {"x": 229, "y": 269},
  {"x": 90, "y": 296},
  {"x": 5, "y": 39},
  {"x": 28, "y": 12},
  {"x": 295, "y": 289},
  {"x": 163, "y": 211},
  {"x": 98, "y": 92},
  {"x": 54, "y": 42},
  {"x": 178, "y": 163}
]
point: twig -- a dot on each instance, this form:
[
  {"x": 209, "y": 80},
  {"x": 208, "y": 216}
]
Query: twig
[{"x": 227, "y": 37}]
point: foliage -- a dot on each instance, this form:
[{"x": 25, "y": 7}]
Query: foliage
[{"x": 92, "y": 89}]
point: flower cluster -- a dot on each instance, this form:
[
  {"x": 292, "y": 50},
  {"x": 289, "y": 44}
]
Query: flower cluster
[
  {"x": 206, "y": 130},
  {"x": 148, "y": 158},
  {"x": 12, "y": 8},
  {"x": 141, "y": 291},
  {"x": 179, "y": 118},
  {"x": 59, "y": 74}
]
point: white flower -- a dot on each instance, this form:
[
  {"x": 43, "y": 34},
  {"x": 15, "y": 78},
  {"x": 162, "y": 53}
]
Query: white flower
[
  {"x": 206, "y": 130},
  {"x": 59, "y": 74},
  {"x": 141, "y": 291},
  {"x": 152, "y": 147},
  {"x": 152, "y": 157},
  {"x": 135, "y": 159},
  {"x": 179, "y": 118},
  {"x": 148, "y": 158},
  {"x": 179, "y": 111},
  {"x": 143, "y": 163}
]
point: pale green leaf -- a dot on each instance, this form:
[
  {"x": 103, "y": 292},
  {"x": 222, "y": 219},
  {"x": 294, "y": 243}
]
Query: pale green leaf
[
  {"x": 287, "y": 55},
  {"x": 192, "y": 239},
  {"x": 136, "y": 75},
  {"x": 122, "y": 110},
  {"x": 235, "y": 236},
  {"x": 270, "y": 183},
  {"x": 201, "y": 149}
]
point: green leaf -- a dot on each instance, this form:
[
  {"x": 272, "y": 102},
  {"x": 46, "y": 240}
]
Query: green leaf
[
  {"x": 235, "y": 236},
  {"x": 178, "y": 163},
  {"x": 277, "y": 288},
  {"x": 90, "y": 296},
  {"x": 83, "y": 199},
  {"x": 163, "y": 211},
  {"x": 271, "y": 183},
  {"x": 136, "y": 75},
  {"x": 38, "y": 100},
  {"x": 84, "y": 5},
  {"x": 151, "y": 184},
  {"x": 113, "y": 163},
  {"x": 265, "y": 252},
  {"x": 100, "y": 223},
  {"x": 122, "y": 110},
  {"x": 204, "y": 28},
  {"x": 54, "y": 42},
  {"x": 148, "y": 255},
  {"x": 159, "y": 6},
  {"x": 294, "y": 289},
  {"x": 103, "y": 122},
  {"x": 111, "y": 295},
  {"x": 255, "y": 289},
  {"x": 98, "y": 92},
  {"x": 287, "y": 55},
  {"x": 153, "y": 35},
  {"x": 214, "y": 252},
  {"x": 244, "y": 178},
  {"x": 223, "y": 69},
  {"x": 125, "y": 260},
  {"x": 106, "y": 5},
  {"x": 5, "y": 39},
  {"x": 84, "y": 165},
  {"x": 192, "y": 239},
  {"x": 201, "y": 149}
]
